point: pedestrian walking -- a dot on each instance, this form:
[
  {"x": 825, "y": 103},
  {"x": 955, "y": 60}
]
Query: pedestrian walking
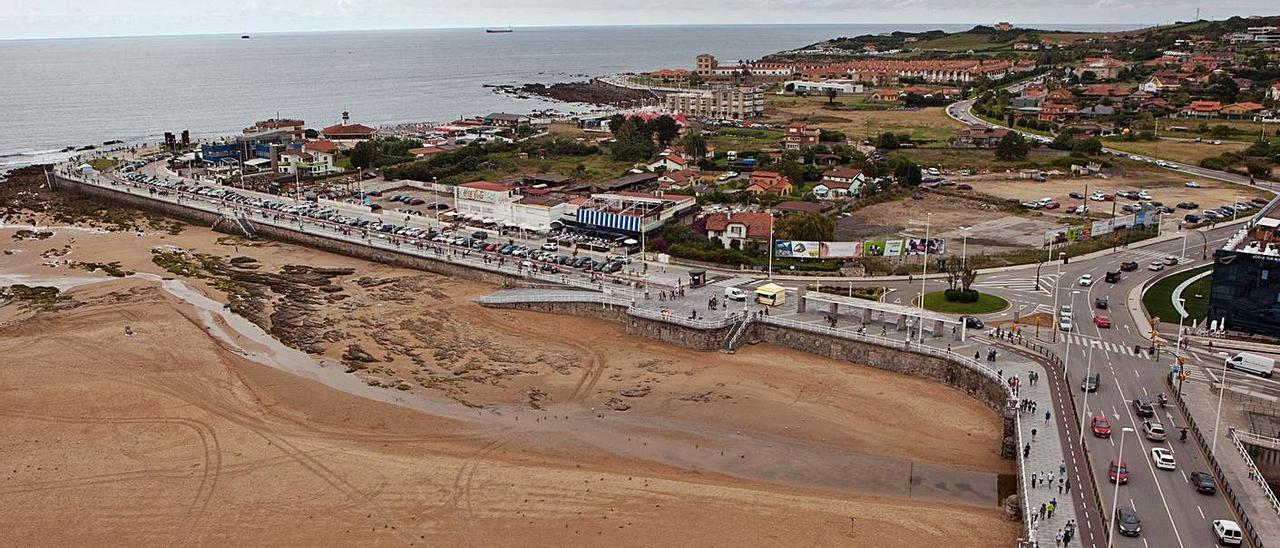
[
  {"x": 1026, "y": 451},
  {"x": 1062, "y": 468},
  {"x": 1049, "y": 509},
  {"x": 1033, "y": 434},
  {"x": 1057, "y": 539},
  {"x": 1059, "y": 486},
  {"x": 1047, "y": 414},
  {"x": 1033, "y": 480},
  {"x": 1043, "y": 508},
  {"x": 1068, "y": 486}
]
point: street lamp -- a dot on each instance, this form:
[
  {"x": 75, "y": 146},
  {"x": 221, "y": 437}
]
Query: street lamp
[
  {"x": 1066, "y": 364},
  {"x": 1182, "y": 315},
  {"x": 1061, "y": 255},
  {"x": 1217, "y": 417},
  {"x": 924, "y": 274},
  {"x": 1115, "y": 498},
  {"x": 964, "y": 248},
  {"x": 1087, "y": 372}
]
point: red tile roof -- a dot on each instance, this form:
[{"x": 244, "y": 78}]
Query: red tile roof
[
  {"x": 758, "y": 224},
  {"x": 352, "y": 129},
  {"x": 842, "y": 173},
  {"x": 322, "y": 145},
  {"x": 485, "y": 185}
]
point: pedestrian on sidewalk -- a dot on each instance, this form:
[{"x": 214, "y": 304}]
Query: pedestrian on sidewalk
[
  {"x": 1049, "y": 508},
  {"x": 1033, "y": 434},
  {"x": 1033, "y": 480},
  {"x": 1057, "y": 539},
  {"x": 1043, "y": 508},
  {"x": 1026, "y": 451},
  {"x": 1049, "y": 475},
  {"x": 1068, "y": 486},
  {"x": 1062, "y": 468},
  {"x": 1047, "y": 414},
  {"x": 1060, "y": 481}
]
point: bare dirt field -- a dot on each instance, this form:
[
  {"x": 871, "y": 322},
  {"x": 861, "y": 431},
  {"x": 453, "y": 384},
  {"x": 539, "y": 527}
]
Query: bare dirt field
[
  {"x": 1187, "y": 152},
  {"x": 434, "y": 421},
  {"x": 922, "y": 124},
  {"x": 905, "y": 219}
]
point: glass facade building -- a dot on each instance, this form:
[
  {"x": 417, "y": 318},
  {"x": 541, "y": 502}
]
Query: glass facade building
[{"x": 1246, "y": 292}]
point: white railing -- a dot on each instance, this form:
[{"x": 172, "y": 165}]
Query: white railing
[
  {"x": 671, "y": 317},
  {"x": 1255, "y": 474},
  {"x": 553, "y": 297}
]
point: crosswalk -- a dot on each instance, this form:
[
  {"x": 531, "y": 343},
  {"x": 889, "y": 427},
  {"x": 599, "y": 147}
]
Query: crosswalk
[
  {"x": 1103, "y": 346},
  {"x": 1028, "y": 284}
]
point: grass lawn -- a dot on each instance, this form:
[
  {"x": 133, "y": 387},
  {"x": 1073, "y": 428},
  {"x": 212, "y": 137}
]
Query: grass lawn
[
  {"x": 596, "y": 167},
  {"x": 103, "y": 164},
  {"x": 962, "y": 42},
  {"x": 986, "y": 304},
  {"x": 869, "y": 119},
  {"x": 1158, "y": 300},
  {"x": 739, "y": 139},
  {"x": 1187, "y": 152}
]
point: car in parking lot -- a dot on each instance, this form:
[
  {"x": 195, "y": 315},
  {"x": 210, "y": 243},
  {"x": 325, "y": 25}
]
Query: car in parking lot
[
  {"x": 1102, "y": 322},
  {"x": 1188, "y": 205},
  {"x": 1154, "y": 431},
  {"x": 1163, "y": 458},
  {"x": 1192, "y": 184},
  {"x": 1203, "y": 482},
  {"x": 1086, "y": 280},
  {"x": 1091, "y": 382},
  {"x": 1076, "y": 195},
  {"x": 1100, "y": 427},
  {"x": 1143, "y": 408},
  {"x": 735, "y": 294},
  {"x": 550, "y": 246},
  {"x": 1192, "y": 218},
  {"x": 1118, "y": 472},
  {"x": 1155, "y": 266},
  {"x": 1127, "y": 521}
]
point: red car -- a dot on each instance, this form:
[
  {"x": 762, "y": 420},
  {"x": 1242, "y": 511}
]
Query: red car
[
  {"x": 1102, "y": 321},
  {"x": 1118, "y": 472},
  {"x": 1101, "y": 428}
]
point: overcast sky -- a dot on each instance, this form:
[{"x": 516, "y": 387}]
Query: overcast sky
[{"x": 76, "y": 18}]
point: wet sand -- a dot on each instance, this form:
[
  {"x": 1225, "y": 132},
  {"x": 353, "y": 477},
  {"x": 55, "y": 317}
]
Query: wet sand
[{"x": 188, "y": 432}]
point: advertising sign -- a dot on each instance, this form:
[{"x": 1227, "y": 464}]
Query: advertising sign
[
  {"x": 873, "y": 248},
  {"x": 795, "y": 249},
  {"x": 893, "y": 248},
  {"x": 840, "y": 250},
  {"x": 921, "y": 246}
]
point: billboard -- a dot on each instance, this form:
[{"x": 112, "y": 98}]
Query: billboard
[
  {"x": 893, "y": 248},
  {"x": 839, "y": 250},
  {"x": 921, "y": 246},
  {"x": 795, "y": 249},
  {"x": 873, "y": 248}
]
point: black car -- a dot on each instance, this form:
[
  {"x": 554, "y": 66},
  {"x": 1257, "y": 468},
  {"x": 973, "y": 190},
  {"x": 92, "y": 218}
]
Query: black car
[
  {"x": 1193, "y": 219},
  {"x": 1127, "y": 521},
  {"x": 1076, "y": 195},
  {"x": 1203, "y": 482},
  {"x": 1100, "y": 302},
  {"x": 1188, "y": 205},
  {"x": 1143, "y": 408},
  {"x": 971, "y": 322},
  {"x": 1091, "y": 382},
  {"x": 479, "y": 235}
]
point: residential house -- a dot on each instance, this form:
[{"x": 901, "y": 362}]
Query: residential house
[
  {"x": 1158, "y": 84},
  {"x": 734, "y": 230},
  {"x": 1097, "y": 111},
  {"x": 885, "y": 95},
  {"x": 669, "y": 162},
  {"x": 1204, "y": 109},
  {"x": 978, "y": 135},
  {"x": 800, "y": 136},
  {"x": 306, "y": 164},
  {"x": 502, "y": 119},
  {"x": 1103, "y": 68},
  {"x": 769, "y": 182},
  {"x": 323, "y": 153},
  {"x": 1273, "y": 92},
  {"x": 839, "y": 183},
  {"x": 1003, "y": 26},
  {"x": 678, "y": 180},
  {"x": 426, "y": 151},
  {"x": 1241, "y": 110},
  {"x": 1057, "y": 112},
  {"x": 826, "y": 159}
]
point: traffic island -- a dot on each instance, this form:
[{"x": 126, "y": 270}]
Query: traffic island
[{"x": 981, "y": 303}]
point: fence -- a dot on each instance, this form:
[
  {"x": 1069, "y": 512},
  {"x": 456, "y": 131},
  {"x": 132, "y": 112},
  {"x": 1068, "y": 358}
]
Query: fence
[
  {"x": 1254, "y": 473},
  {"x": 1218, "y": 475}
]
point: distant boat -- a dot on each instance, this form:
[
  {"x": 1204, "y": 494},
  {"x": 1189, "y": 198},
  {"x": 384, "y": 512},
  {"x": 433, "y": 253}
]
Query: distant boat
[
  {"x": 499, "y": 31},
  {"x": 244, "y": 36}
]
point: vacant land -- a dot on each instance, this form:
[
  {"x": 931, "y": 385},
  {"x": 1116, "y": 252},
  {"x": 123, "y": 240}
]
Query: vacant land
[
  {"x": 1187, "y": 152},
  {"x": 456, "y": 425},
  {"x": 926, "y": 124}
]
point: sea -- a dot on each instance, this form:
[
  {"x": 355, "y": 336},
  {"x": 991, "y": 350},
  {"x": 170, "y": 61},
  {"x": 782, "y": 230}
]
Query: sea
[{"x": 60, "y": 93}]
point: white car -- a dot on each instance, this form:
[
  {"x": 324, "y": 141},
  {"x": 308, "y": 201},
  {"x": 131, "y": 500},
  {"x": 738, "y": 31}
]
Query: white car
[
  {"x": 1064, "y": 323},
  {"x": 1163, "y": 458},
  {"x": 550, "y": 246},
  {"x": 1192, "y": 184},
  {"x": 1156, "y": 266},
  {"x": 1086, "y": 280},
  {"x": 1227, "y": 531},
  {"x": 735, "y": 294},
  {"x": 1098, "y": 196}
]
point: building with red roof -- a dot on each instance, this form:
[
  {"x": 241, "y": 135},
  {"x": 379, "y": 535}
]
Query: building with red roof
[
  {"x": 736, "y": 229},
  {"x": 1207, "y": 109},
  {"x": 769, "y": 182},
  {"x": 349, "y": 132}
]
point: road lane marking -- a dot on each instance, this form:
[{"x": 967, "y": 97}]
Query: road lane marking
[{"x": 1198, "y": 509}]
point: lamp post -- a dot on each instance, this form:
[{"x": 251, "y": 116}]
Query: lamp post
[
  {"x": 1066, "y": 362},
  {"x": 1055, "y": 293},
  {"x": 1217, "y": 417},
  {"x": 924, "y": 274},
  {"x": 1183, "y": 256},
  {"x": 771, "y": 246},
  {"x": 1115, "y": 498},
  {"x": 1182, "y": 315},
  {"x": 964, "y": 247},
  {"x": 1087, "y": 372}
]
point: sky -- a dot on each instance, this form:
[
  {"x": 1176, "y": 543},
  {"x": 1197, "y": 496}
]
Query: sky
[{"x": 20, "y": 19}]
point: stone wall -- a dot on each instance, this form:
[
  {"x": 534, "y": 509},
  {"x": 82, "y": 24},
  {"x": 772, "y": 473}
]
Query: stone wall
[
  {"x": 973, "y": 383},
  {"x": 704, "y": 340}
]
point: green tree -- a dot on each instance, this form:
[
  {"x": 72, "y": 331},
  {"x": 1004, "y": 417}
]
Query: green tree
[
  {"x": 1012, "y": 147},
  {"x": 1091, "y": 146},
  {"x": 364, "y": 154},
  {"x": 806, "y": 226},
  {"x": 831, "y": 95},
  {"x": 311, "y": 133},
  {"x": 695, "y": 145},
  {"x": 666, "y": 129},
  {"x": 695, "y": 80},
  {"x": 888, "y": 141},
  {"x": 615, "y": 124},
  {"x": 633, "y": 142}
]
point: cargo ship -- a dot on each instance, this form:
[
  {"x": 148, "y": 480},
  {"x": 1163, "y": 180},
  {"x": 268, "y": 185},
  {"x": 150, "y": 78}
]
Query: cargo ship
[{"x": 499, "y": 31}]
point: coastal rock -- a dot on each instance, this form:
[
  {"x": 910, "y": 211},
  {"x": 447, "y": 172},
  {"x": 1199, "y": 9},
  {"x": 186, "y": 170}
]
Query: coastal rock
[{"x": 357, "y": 354}]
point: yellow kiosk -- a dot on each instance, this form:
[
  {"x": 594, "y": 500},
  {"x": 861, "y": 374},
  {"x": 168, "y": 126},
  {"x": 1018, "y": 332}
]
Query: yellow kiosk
[{"x": 771, "y": 294}]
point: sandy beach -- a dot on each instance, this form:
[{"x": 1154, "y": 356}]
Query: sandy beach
[{"x": 397, "y": 411}]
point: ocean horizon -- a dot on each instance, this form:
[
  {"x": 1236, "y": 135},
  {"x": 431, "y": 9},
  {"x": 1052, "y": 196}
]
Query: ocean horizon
[{"x": 72, "y": 92}]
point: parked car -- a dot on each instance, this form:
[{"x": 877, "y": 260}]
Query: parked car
[
  {"x": 1091, "y": 382},
  {"x": 1192, "y": 184},
  {"x": 1227, "y": 531},
  {"x": 964, "y": 186},
  {"x": 1129, "y": 266},
  {"x": 1188, "y": 205},
  {"x": 1118, "y": 472},
  {"x": 1203, "y": 482},
  {"x": 1102, "y": 322},
  {"x": 1192, "y": 218},
  {"x": 550, "y": 246},
  {"x": 1154, "y": 431},
  {"x": 1143, "y": 408},
  {"x": 479, "y": 234},
  {"x": 1076, "y": 195},
  {"x": 1127, "y": 521},
  {"x": 1101, "y": 428},
  {"x": 735, "y": 294}
]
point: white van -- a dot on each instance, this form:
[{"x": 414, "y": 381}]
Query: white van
[
  {"x": 1227, "y": 531},
  {"x": 1252, "y": 363},
  {"x": 735, "y": 294}
]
